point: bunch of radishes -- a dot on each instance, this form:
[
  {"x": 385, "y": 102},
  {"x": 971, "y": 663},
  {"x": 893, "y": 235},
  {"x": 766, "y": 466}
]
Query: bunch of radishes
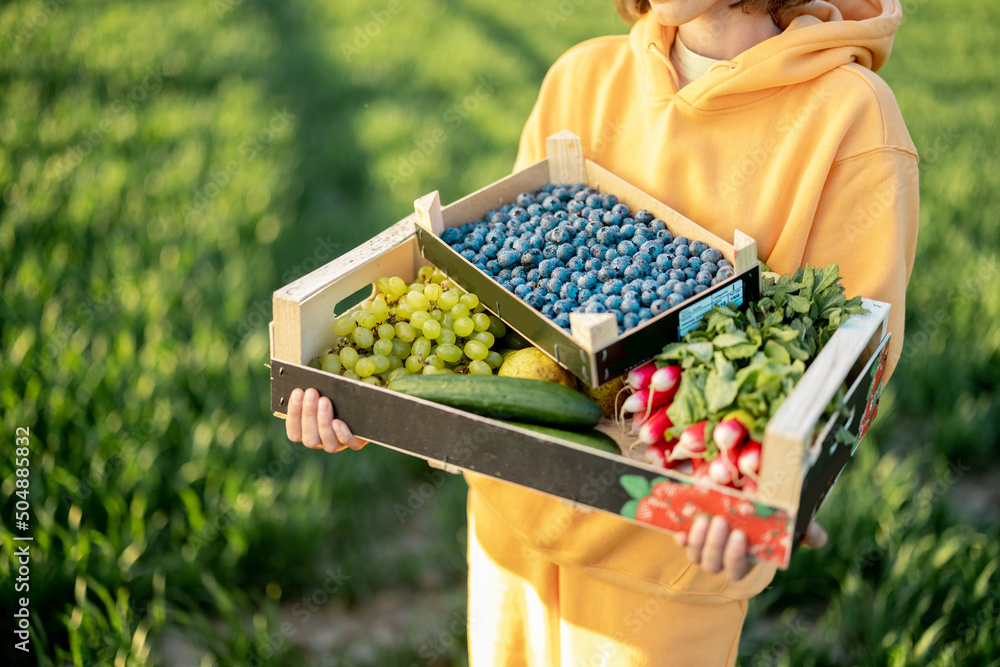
[{"x": 737, "y": 462}]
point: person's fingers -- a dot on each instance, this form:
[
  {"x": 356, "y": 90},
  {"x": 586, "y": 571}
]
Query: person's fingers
[
  {"x": 345, "y": 437},
  {"x": 310, "y": 428},
  {"x": 293, "y": 420},
  {"x": 681, "y": 538},
  {"x": 815, "y": 537},
  {"x": 715, "y": 545},
  {"x": 735, "y": 557},
  {"x": 324, "y": 424},
  {"x": 696, "y": 539}
]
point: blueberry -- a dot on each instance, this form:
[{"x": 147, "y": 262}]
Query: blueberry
[
  {"x": 551, "y": 204},
  {"x": 547, "y": 310},
  {"x": 562, "y": 193},
  {"x": 630, "y": 305},
  {"x": 611, "y": 219},
  {"x": 711, "y": 255},
  {"x": 575, "y": 264},
  {"x": 561, "y": 273},
  {"x": 468, "y": 254},
  {"x": 525, "y": 199},
  {"x": 630, "y": 320},
  {"x": 583, "y": 253},
  {"x": 564, "y": 305},
  {"x": 683, "y": 251},
  {"x": 698, "y": 289},
  {"x": 504, "y": 274},
  {"x": 569, "y": 291},
  {"x": 594, "y": 201},
  {"x": 475, "y": 241},
  {"x": 607, "y": 273},
  {"x": 559, "y": 235},
  {"x": 663, "y": 291},
  {"x": 593, "y": 230},
  {"x": 674, "y": 300},
  {"x": 480, "y": 266},
  {"x": 662, "y": 278},
  {"x": 575, "y": 206},
  {"x": 652, "y": 248},
  {"x": 490, "y": 250},
  {"x": 641, "y": 265},
  {"x": 620, "y": 210},
  {"x": 548, "y": 187},
  {"x": 592, "y": 264},
  {"x": 598, "y": 249},
  {"x": 467, "y": 227},
  {"x": 627, "y": 248},
  {"x": 644, "y": 256},
  {"x": 584, "y": 295},
  {"x": 690, "y": 274},
  {"x": 493, "y": 267},
  {"x": 587, "y": 280},
  {"x": 612, "y": 287},
  {"x": 725, "y": 273},
  {"x": 619, "y": 264},
  {"x": 681, "y": 240},
  {"x": 684, "y": 290},
  {"x": 658, "y": 306},
  {"x": 664, "y": 235},
  {"x": 451, "y": 236},
  {"x": 596, "y": 215},
  {"x": 534, "y": 210},
  {"x": 611, "y": 255},
  {"x": 595, "y": 307},
  {"x": 532, "y": 276},
  {"x": 613, "y": 302},
  {"x": 549, "y": 251},
  {"x": 565, "y": 252},
  {"x": 516, "y": 282},
  {"x": 580, "y": 240},
  {"x": 607, "y": 236},
  {"x": 644, "y": 216},
  {"x": 724, "y": 262},
  {"x": 695, "y": 263},
  {"x": 535, "y": 241},
  {"x": 645, "y": 314},
  {"x": 531, "y": 258},
  {"x": 664, "y": 262},
  {"x": 676, "y": 274},
  {"x": 562, "y": 320},
  {"x": 698, "y": 247},
  {"x": 671, "y": 284},
  {"x": 627, "y": 231},
  {"x": 647, "y": 298},
  {"x": 519, "y": 246},
  {"x": 546, "y": 267},
  {"x": 710, "y": 267},
  {"x": 609, "y": 201}
]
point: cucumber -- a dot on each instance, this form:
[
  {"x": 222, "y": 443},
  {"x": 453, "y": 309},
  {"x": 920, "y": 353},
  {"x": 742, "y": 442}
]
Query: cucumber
[
  {"x": 515, "y": 399},
  {"x": 590, "y": 437}
]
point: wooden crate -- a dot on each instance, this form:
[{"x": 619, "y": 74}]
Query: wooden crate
[
  {"x": 796, "y": 469},
  {"x": 593, "y": 350}
]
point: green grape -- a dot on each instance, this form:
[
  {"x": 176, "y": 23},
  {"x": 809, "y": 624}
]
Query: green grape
[
  {"x": 351, "y": 374},
  {"x": 413, "y": 364},
  {"x": 497, "y": 327},
  {"x": 383, "y": 284},
  {"x": 418, "y": 318},
  {"x": 372, "y": 381},
  {"x": 415, "y": 286},
  {"x": 417, "y": 300},
  {"x": 359, "y": 314},
  {"x": 437, "y": 314},
  {"x": 494, "y": 359},
  {"x": 484, "y": 337},
  {"x": 459, "y": 310},
  {"x": 405, "y": 332},
  {"x": 448, "y": 299},
  {"x": 386, "y": 331},
  {"x": 348, "y": 357},
  {"x": 331, "y": 363},
  {"x": 476, "y": 351},
  {"x": 479, "y": 367},
  {"x": 365, "y": 367},
  {"x": 379, "y": 308},
  {"x": 384, "y": 347},
  {"x": 363, "y": 338},
  {"x": 381, "y": 363},
  {"x": 424, "y": 273},
  {"x": 431, "y": 329},
  {"x": 400, "y": 349},
  {"x": 397, "y": 287},
  {"x": 404, "y": 310},
  {"x": 447, "y": 336},
  {"x": 481, "y": 321},
  {"x": 463, "y": 326},
  {"x": 395, "y": 374},
  {"x": 447, "y": 320},
  {"x": 445, "y": 371},
  {"x": 435, "y": 361},
  {"x": 421, "y": 347},
  {"x": 433, "y": 291},
  {"x": 439, "y": 276},
  {"x": 344, "y": 325},
  {"x": 429, "y": 370},
  {"x": 367, "y": 321},
  {"x": 469, "y": 299},
  {"x": 394, "y": 362},
  {"x": 449, "y": 352}
]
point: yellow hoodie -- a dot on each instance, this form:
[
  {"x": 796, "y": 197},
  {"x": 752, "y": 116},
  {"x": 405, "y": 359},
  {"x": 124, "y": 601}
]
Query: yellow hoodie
[{"x": 796, "y": 142}]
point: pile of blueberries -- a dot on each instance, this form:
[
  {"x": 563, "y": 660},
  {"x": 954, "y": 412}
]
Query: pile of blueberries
[{"x": 570, "y": 248}]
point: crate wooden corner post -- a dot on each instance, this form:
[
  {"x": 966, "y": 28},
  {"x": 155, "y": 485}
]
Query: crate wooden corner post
[{"x": 565, "y": 156}]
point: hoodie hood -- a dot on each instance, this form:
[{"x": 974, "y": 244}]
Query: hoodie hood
[{"x": 816, "y": 38}]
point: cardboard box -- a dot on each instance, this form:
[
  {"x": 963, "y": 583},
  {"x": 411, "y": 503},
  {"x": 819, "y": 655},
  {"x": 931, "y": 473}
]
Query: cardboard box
[{"x": 796, "y": 469}]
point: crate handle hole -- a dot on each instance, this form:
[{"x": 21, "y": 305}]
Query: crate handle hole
[{"x": 353, "y": 300}]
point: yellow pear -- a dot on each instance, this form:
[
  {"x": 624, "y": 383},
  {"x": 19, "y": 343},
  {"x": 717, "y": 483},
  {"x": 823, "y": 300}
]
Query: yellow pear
[
  {"x": 534, "y": 364},
  {"x": 609, "y": 395}
]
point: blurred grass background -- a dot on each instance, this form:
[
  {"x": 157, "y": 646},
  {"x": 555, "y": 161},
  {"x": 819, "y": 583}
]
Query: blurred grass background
[{"x": 165, "y": 166}]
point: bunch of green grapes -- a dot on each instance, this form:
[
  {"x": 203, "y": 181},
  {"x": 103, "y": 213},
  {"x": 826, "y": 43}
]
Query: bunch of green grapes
[{"x": 427, "y": 327}]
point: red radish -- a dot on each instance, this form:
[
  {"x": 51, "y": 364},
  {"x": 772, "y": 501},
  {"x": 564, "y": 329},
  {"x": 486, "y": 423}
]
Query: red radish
[
  {"x": 638, "y": 378},
  {"x": 666, "y": 379},
  {"x": 719, "y": 472},
  {"x": 749, "y": 487},
  {"x": 748, "y": 461},
  {"x": 691, "y": 443},
  {"x": 658, "y": 452},
  {"x": 728, "y": 434},
  {"x": 644, "y": 401},
  {"x": 652, "y": 429}
]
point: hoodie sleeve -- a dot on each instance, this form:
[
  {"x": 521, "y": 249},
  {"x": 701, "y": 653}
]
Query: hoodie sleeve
[{"x": 867, "y": 223}]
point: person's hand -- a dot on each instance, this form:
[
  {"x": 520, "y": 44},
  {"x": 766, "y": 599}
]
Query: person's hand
[
  {"x": 310, "y": 421},
  {"x": 715, "y": 547}
]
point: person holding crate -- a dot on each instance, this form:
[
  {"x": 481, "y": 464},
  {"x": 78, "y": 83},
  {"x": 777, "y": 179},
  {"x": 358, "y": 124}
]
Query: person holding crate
[{"x": 760, "y": 115}]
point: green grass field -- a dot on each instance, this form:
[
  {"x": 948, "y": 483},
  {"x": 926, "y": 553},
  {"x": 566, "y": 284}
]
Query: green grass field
[{"x": 165, "y": 166}]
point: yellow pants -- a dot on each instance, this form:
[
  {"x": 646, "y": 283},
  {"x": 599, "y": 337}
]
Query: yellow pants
[{"x": 525, "y": 610}]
